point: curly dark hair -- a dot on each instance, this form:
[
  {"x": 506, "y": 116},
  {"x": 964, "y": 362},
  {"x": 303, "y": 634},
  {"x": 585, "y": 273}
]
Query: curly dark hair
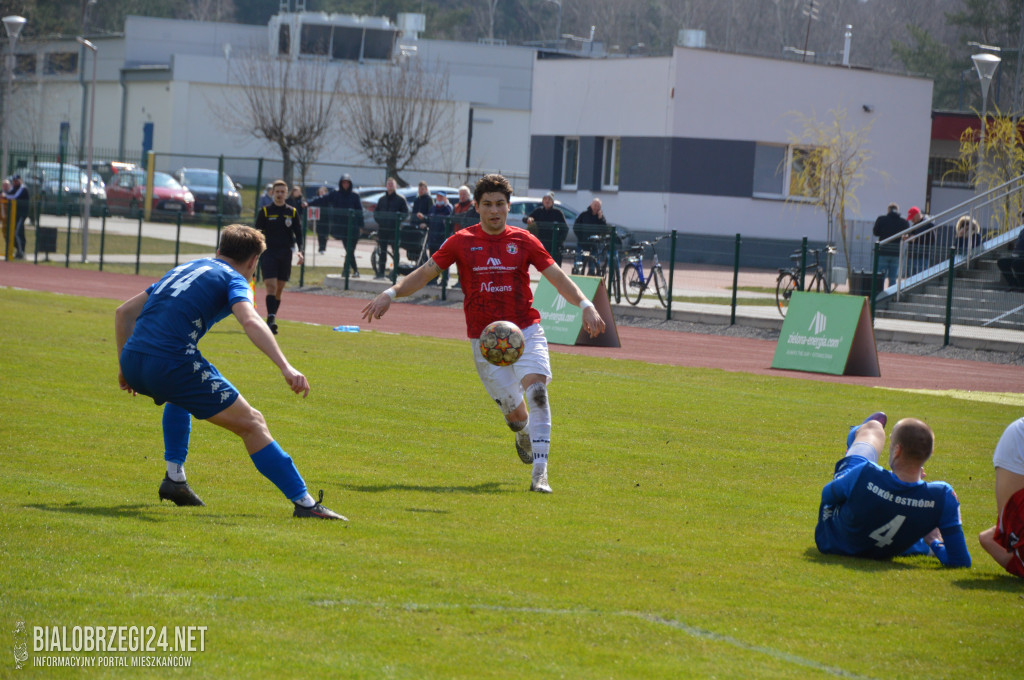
[{"x": 490, "y": 184}]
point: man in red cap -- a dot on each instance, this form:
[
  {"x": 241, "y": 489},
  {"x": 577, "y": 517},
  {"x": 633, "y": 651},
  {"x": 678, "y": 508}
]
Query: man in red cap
[{"x": 919, "y": 255}]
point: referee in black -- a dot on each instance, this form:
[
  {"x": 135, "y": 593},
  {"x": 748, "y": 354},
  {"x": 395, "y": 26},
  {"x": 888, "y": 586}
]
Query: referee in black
[{"x": 282, "y": 228}]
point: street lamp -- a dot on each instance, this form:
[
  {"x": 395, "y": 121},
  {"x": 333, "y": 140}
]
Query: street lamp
[
  {"x": 986, "y": 65},
  {"x": 558, "y": 26},
  {"x": 87, "y": 206},
  {"x": 13, "y": 25}
]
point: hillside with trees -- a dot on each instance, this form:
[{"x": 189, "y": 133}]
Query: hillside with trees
[{"x": 925, "y": 37}]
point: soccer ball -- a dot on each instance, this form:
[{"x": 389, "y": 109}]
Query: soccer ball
[{"x": 502, "y": 343}]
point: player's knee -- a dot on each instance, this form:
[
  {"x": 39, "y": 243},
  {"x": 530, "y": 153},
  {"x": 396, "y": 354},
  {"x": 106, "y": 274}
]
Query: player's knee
[
  {"x": 537, "y": 393},
  {"x": 517, "y": 425}
]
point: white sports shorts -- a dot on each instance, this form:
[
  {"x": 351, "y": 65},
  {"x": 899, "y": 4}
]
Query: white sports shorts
[
  {"x": 1009, "y": 453},
  {"x": 504, "y": 383}
]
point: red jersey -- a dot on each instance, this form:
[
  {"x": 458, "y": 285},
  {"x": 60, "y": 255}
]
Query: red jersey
[
  {"x": 494, "y": 272},
  {"x": 1010, "y": 532}
]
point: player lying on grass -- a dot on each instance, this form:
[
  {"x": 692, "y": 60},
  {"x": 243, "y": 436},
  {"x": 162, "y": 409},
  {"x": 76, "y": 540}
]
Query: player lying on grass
[
  {"x": 1005, "y": 541},
  {"x": 493, "y": 261},
  {"x": 868, "y": 511},
  {"x": 157, "y": 335}
]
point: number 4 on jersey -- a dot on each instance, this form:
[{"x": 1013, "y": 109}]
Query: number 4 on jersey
[{"x": 883, "y": 535}]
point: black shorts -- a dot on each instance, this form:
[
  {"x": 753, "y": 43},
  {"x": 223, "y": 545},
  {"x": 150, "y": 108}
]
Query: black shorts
[{"x": 276, "y": 264}]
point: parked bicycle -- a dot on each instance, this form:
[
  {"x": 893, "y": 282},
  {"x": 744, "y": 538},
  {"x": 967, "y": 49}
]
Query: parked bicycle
[
  {"x": 789, "y": 277},
  {"x": 636, "y": 281},
  {"x": 594, "y": 258}
]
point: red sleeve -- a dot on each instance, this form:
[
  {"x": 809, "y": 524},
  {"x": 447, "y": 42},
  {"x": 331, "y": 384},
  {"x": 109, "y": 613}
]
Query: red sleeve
[
  {"x": 444, "y": 257},
  {"x": 538, "y": 254}
]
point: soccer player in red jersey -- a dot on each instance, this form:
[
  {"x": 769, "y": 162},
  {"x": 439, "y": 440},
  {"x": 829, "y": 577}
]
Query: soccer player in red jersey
[
  {"x": 493, "y": 260},
  {"x": 1005, "y": 541}
]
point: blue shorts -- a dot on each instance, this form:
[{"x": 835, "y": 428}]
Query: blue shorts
[{"x": 192, "y": 383}]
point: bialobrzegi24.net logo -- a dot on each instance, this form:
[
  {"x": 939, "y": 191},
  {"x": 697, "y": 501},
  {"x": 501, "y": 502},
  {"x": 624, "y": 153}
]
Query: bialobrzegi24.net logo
[{"x": 106, "y": 646}]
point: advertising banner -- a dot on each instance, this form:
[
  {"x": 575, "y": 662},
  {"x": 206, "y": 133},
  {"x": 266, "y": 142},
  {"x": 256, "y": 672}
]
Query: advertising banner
[
  {"x": 563, "y": 322},
  {"x": 826, "y": 333}
]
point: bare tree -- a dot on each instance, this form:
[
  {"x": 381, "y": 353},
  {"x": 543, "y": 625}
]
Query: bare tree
[
  {"x": 395, "y": 112},
  {"x": 828, "y": 167},
  {"x": 289, "y": 103}
]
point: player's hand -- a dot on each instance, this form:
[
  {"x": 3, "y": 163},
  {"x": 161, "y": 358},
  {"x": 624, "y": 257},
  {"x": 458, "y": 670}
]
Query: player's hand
[
  {"x": 593, "y": 324},
  {"x": 377, "y": 307},
  {"x": 302, "y": 257},
  {"x": 296, "y": 381},
  {"x": 123, "y": 384}
]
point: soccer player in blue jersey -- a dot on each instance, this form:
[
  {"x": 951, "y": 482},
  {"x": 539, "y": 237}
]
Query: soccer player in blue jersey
[
  {"x": 868, "y": 511},
  {"x": 158, "y": 331}
]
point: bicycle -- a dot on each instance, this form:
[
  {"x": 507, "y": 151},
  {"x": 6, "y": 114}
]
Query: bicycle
[
  {"x": 789, "y": 277},
  {"x": 594, "y": 260},
  {"x": 636, "y": 282}
]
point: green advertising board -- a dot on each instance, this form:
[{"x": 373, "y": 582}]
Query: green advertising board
[
  {"x": 826, "y": 333},
  {"x": 563, "y": 322}
]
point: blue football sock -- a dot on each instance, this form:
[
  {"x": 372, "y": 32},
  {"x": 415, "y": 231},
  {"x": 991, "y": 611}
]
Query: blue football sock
[
  {"x": 277, "y": 466},
  {"x": 177, "y": 429},
  {"x": 877, "y": 416}
]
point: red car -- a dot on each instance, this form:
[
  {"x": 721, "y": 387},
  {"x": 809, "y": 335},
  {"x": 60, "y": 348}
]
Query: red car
[{"x": 126, "y": 190}]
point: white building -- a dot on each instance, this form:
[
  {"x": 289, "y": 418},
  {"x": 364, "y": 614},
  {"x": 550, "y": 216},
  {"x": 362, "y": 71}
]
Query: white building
[
  {"x": 701, "y": 141},
  {"x": 177, "y": 76}
]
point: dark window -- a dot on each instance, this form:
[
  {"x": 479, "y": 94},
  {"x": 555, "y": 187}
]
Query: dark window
[
  {"x": 379, "y": 44},
  {"x": 60, "y": 63},
  {"x": 346, "y": 43},
  {"x": 25, "y": 64},
  {"x": 316, "y": 39},
  {"x": 284, "y": 39}
]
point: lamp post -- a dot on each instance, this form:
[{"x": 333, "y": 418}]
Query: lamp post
[
  {"x": 87, "y": 205},
  {"x": 558, "y": 26},
  {"x": 986, "y": 65},
  {"x": 13, "y": 25}
]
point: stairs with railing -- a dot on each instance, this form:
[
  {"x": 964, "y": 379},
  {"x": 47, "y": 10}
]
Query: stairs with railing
[{"x": 980, "y": 298}]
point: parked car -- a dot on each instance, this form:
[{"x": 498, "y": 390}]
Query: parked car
[
  {"x": 521, "y": 206},
  {"x": 126, "y": 195},
  {"x": 370, "y": 195},
  {"x": 63, "y": 187},
  {"x": 203, "y": 185},
  {"x": 108, "y": 169}
]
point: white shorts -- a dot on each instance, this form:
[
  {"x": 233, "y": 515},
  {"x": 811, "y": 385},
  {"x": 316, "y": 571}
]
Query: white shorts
[
  {"x": 504, "y": 383},
  {"x": 1009, "y": 453}
]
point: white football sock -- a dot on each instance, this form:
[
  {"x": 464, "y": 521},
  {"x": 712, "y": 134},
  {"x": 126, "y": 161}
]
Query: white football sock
[
  {"x": 306, "y": 501},
  {"x": 176, "y": 472},
  {"x": 540, "y": 425}
]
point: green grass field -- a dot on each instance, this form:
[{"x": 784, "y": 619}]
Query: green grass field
[{"x": 678, "y": 542}]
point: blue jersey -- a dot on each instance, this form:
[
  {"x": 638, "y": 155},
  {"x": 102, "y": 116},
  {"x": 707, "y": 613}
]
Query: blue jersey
[
  {"x": 868, "y": 511},
  {"x": 184, "y": 304}
]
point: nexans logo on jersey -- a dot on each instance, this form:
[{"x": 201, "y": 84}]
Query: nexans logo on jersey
[{"x": 491, "y": 287}]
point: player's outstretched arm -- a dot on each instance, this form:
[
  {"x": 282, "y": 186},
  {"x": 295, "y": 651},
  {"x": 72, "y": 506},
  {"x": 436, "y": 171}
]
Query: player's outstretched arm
[
  {"x": 261, "y": 336},
  {"x": 407, "y": 286},
  {"x": 593, "y": 324},
  {"x": 124, "y": 325}
]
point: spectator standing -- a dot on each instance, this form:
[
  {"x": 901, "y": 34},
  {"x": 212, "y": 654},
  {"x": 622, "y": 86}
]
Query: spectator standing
[
  {"x": 296, "y": 200},
  {"x": 590, "y": 222},
  {"x": 890, "y": 224},
  {"x": 464, "y": 211},
  {"x": 921, "y": 257},
  {"x": 280, "y": 225},
  {"x": 389, "y": 213},
  {"x": 19, "y": 196},
  {"x": 548, "y": 224},
  {"x": 267, "y": 198},
  {"x": 421, "y": 206},
  {"x": 968, "y": 233},
  {"x": 437, "y": 218},
  {"x": 343, "y": 219}
]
